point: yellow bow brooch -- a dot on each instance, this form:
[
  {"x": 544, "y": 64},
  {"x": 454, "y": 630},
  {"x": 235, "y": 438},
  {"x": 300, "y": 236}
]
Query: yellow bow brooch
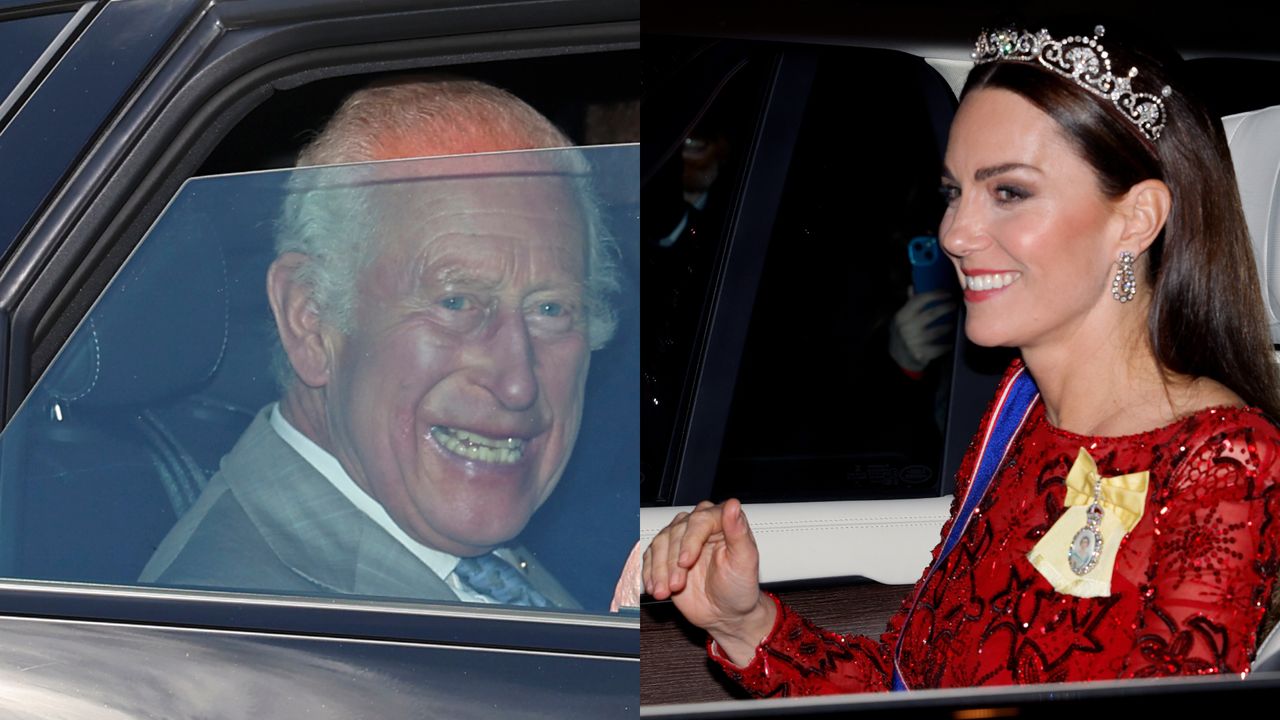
[{"x": 1078, "y": 554}]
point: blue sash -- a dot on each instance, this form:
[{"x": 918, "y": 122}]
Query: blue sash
[{"x": 1017, "y": 398}]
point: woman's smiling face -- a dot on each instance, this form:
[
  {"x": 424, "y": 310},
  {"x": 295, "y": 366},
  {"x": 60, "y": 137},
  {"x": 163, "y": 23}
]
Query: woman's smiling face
[{"x": 1031, "y": 234}]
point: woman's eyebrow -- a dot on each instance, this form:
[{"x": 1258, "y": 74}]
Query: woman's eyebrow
[{"x": 989, "y": 172}]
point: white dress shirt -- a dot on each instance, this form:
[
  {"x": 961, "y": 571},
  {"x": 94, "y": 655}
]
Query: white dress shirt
[{"x": 442, "y": 564}]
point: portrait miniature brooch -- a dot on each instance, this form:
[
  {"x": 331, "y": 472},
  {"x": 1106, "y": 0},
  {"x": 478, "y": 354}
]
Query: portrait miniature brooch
[{"x": 1078, "y": 554}]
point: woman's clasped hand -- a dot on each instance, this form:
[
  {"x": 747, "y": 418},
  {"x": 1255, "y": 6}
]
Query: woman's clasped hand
[{"x": 707, "y": 562}]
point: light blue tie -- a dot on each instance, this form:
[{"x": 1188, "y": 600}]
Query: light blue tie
[{"x": 493, "y": 577}]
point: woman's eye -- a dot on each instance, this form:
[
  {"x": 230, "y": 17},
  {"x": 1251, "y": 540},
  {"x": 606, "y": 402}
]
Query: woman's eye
[
  {"x": 949, "y": 192},
  {"x": 1010, "y": 193},
  {"x": 456, "y": 303}
]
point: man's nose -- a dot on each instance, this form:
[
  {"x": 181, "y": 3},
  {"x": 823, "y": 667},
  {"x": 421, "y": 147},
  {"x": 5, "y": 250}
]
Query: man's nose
[{"x": 508, "y": 366}]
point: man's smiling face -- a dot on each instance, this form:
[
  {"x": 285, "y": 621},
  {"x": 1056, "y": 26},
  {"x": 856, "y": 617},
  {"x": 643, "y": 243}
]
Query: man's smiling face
[{"x": 456, "y": 397}]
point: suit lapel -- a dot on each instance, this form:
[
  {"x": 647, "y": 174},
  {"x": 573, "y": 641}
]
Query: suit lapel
[
  {"x": 316, "y": 531},
  {"x": 322, "y": 537}
]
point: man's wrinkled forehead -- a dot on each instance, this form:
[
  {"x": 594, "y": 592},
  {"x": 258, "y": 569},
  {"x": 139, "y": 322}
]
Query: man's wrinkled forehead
[
  {"x": 487, "y": 204},
  {"x": 530, "y": 212}
]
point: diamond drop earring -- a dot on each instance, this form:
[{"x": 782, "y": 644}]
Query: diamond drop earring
[{"x": 1124, "y": 285}]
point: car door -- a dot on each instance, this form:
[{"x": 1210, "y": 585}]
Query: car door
[{"x": 115, "y": 109}]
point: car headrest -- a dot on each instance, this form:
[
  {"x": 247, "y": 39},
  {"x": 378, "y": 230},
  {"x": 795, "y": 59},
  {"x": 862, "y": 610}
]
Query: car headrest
[
  {"x": 158, "y": 332},
  {"x": 1254, "y": 138}
]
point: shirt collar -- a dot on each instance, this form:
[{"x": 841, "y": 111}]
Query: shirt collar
[{"x": 442, "y": 564}]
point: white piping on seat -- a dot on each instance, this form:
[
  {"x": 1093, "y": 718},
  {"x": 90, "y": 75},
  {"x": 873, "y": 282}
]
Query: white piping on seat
[{"x": 888, "y": 541}]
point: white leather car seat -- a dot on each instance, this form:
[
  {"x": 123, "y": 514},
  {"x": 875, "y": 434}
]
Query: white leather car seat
[
  {"x": 1254, "y": 138},
  {"x": 888, "y": 541}
]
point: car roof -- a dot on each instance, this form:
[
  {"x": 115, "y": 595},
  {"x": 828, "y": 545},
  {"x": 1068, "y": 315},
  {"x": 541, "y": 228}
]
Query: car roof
[{"x": 937, "y": 29}]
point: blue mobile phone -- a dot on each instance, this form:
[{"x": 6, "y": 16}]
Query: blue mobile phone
[{"x": 930, "y": 268}]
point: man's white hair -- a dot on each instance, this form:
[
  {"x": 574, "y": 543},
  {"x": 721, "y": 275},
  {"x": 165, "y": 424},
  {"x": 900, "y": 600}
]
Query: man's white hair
[{"x": 338, "y": 231}]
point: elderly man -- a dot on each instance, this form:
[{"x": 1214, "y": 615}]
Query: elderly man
[{"x": 434, "y": 365}]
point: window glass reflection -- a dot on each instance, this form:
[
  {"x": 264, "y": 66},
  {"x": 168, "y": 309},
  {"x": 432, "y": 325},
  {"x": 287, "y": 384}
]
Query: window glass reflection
[{"x": 408, "y": 379}]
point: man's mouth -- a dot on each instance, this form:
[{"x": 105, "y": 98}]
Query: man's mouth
[
  {"x": 992, "y": 281},
  {"x": 474, "y": 446}
]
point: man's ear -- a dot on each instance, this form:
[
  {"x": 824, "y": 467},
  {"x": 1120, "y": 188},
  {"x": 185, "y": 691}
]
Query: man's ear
[
  {"x": 1146, "y": 208},
  {"x": 298, "y": 320}
]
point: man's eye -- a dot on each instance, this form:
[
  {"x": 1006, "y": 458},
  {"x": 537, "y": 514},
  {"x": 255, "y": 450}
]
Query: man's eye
[
  {"x": 456, "y": 303},
  {"x": 551, "y": 316}
]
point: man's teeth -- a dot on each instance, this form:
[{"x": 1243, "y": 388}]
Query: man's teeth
[
  {"x": 989, "y": 282},
  {"x": 474, "y": 446}
]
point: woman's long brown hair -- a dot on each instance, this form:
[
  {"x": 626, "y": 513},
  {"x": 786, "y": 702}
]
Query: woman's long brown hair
[{"x": 1207, "y": 317}]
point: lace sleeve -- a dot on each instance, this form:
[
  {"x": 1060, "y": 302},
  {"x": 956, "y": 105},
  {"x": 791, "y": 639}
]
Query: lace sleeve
[
  {"x": 1214, "y": 558},
  {"x": 800, "y": 658}
]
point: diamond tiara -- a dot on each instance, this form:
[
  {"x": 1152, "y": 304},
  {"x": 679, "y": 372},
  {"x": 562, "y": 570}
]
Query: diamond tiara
[{"x": 1085, "y": 62}]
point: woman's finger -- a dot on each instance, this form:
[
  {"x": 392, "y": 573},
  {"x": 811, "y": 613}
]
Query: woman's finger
[
  {"x": 675, "y": 541},
  {"x": 659, "y": 563},
  {"x": 646, "y": 569},
  {"x": 703, "y": 523},
  {"x": 737, "y": 533}
]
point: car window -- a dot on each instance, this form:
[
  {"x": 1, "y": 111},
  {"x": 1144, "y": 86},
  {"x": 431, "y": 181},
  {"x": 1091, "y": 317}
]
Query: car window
[
  {"x": 21, "y": 42},
  {"x": 823, "y": 408},
  {"x": 153, "y": 449},
  {"x": 703, "y": 132}
]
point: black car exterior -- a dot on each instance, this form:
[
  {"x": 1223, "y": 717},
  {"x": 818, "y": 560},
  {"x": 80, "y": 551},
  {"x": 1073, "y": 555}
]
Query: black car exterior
[{"x": 109, "y": 107}]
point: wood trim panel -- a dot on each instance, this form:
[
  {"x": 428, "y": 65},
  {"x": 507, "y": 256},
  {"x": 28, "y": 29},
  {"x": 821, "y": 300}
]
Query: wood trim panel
[{"x": 673, "y": 662}]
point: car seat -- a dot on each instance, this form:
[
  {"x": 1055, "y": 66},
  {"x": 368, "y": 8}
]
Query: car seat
[
  {"x": 1254, "y": 138},
  {"x": 131, "y": 419}
]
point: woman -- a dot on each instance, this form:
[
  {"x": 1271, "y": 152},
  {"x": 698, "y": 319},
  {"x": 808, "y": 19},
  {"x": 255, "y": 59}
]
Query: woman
[{"x": 1117, "y": 514}]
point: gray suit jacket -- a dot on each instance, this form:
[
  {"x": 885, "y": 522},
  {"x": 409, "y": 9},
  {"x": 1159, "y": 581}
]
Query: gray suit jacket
[{"x": 269, "y": 521}]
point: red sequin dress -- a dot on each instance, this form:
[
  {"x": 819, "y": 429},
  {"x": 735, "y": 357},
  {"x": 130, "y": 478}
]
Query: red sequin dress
[{"x": 1191, "y": 582}]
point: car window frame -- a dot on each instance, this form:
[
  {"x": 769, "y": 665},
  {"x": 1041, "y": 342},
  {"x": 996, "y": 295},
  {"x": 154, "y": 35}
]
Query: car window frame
[
  {"x": 224, "y": 62},
  {"x": 748, "y": 227},
  {"x": 689, "y": 475}
]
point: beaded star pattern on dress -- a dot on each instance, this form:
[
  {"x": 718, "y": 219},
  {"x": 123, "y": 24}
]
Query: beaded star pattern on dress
[
  {"x": 1086, "y": 63},
  {"x": 1190, "y": 584}
]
